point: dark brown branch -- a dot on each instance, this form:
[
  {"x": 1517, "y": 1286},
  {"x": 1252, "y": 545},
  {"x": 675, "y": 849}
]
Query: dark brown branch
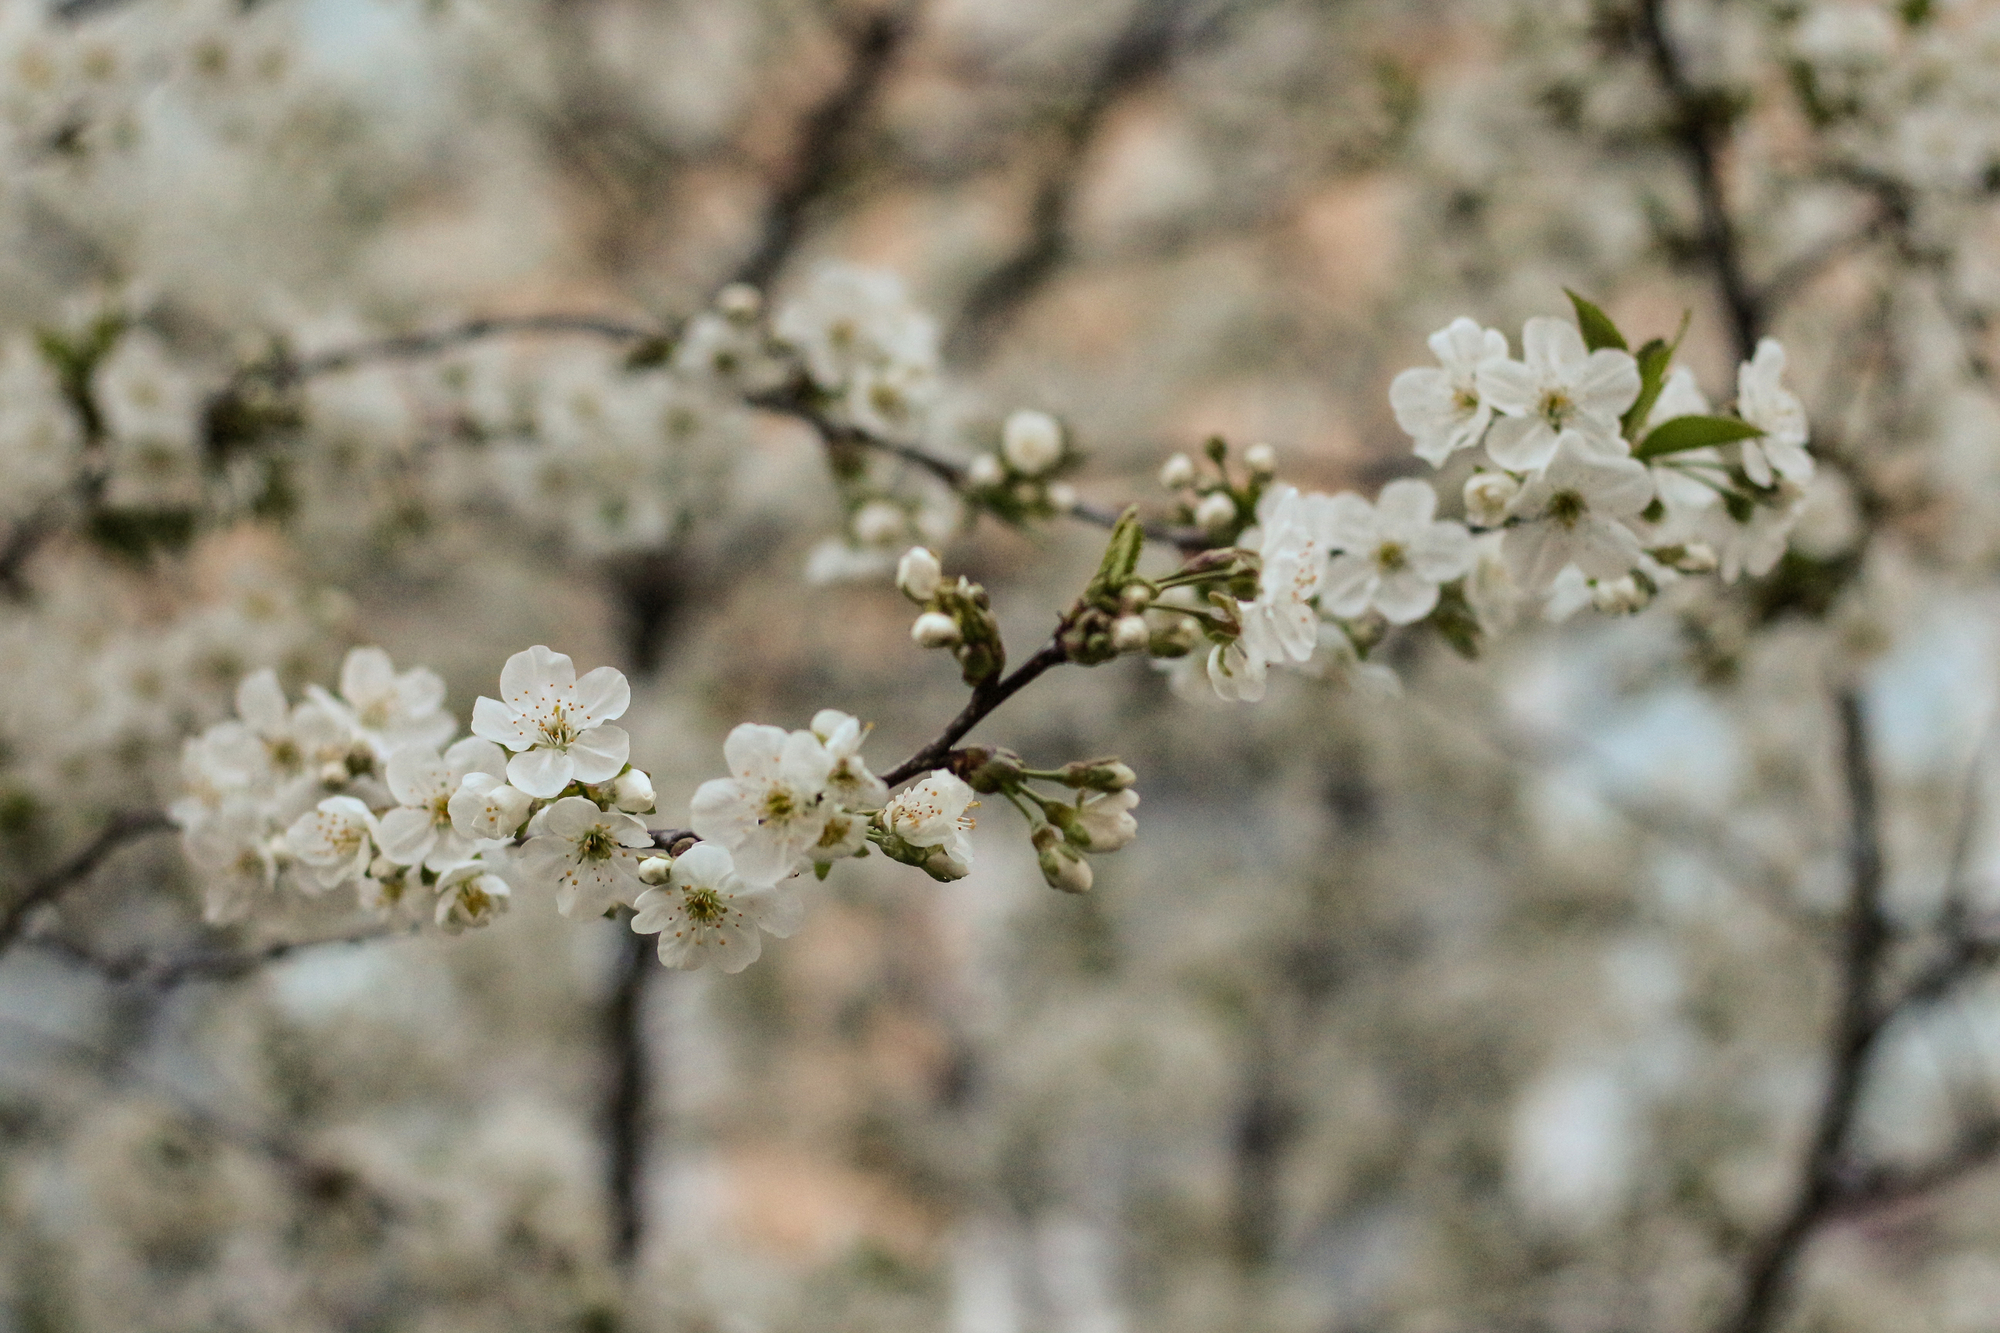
[
  {"x": 628, "y": 1096},
  {"x": 1825, "y": 1180},
  {"x": 1699, "y": 128},
  {"x": 123, "y": 829},
  {"x": 164, "y": 972},
  {"x": 283, "y": 372},
  {"x": 988, "y": 696}
]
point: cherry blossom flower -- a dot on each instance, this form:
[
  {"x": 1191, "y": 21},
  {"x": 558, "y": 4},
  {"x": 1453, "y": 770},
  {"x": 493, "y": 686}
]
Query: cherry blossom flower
[
  {"x": 419, "y": 830},
  {"x": 1443, "y": 408},
  {"x": 232, "y": 848},
  {"x": 555, "y": 723},
  {"x": 773, "y": 808},
  {"x": 335, "y": 838},
  {"x": 389, "y": 709},
  {"x": 1557, "y": 387},
  {"x": 848, "y": 782},
  {"x": 705, "y": 912},
  {"x": 485, "y": 806},
  {"x": 590, "y": 854},
  {"x": 932, "y": 812},
  {"x": 1394, "y": 554},
  {"x": 1574, "y": 512},
  {"x": 1031, "y": 442},
  {"x": 1763, "y": 400},
  {"x": 1106, "y": 819},
  {"x": 470, "y": 894}
]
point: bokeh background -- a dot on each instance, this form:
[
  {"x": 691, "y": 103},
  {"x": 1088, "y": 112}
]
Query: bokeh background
[{"x": 1501, "y": 1004}]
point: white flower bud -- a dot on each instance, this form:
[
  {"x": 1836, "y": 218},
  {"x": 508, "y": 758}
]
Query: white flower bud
[
  {"x": 382, "y": 868},
  {"x": 985, "y": 472},
  {"x": 1619, "y": 596},
  {"x": 1107, "y": 820},
  {"x": 918, "y": 574},
  {"x": 1062, "y": 866},
  {"x": 1215, "y": 512},
  {"x": 632, "y": 792},
  {"x": 1131, "y": 634},
  {"x": 1062, "y": 496},
  {"x": 1032, "y": 442},
  {"x": 1261, "y": 459},
  {"x": 1177, "y": 472},
  {"x": 655, "y": 869},
  {"x": 879, "y": 523},
  {"x": 1487, "y": 495},
  {"x": 740, "y": 302},
  {"x": 1697, "y": 558},
  {"x": 333, "y": 772},
  {"x": 935, "y": 629},
  {"x": 487, "y": 807}
]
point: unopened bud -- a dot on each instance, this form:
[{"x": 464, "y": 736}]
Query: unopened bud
[
  {"x": 1131, "y": 634},
  {"x": 879, "y": 522},
  {"x": 918, "y": 574},
  {"x": 1619, "y": 596},
  {"x": 985, "y": 472},
  {"x": 740, "y": 302},
  {"x": 1487, "y": 495},
  {"x": 1097, "y": 774},
  {"x": 632, "y": 792},
  {"x": 1062, "y": 496},
  {"x": 1215, "y": 512},
  {"x": 1177, "y": 472},
  {"x": 383, "y": 868},
  {"x": 935, "y": 629},
  {"x": 1134, "y": 598},
  {"x": 333, "y": 772},
  {"x": 1062, "y": 866},
  {"x": 655, "y": 869},
  {"x": 1697, "y": 558},
  {"x": 1261, "y": 459},
  {"x": 1032, "y": 442},
  {"x": 990, "y": 768}
]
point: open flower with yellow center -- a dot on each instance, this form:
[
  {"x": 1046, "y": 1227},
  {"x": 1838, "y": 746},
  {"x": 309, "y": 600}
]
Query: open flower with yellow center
[
  {"x": 591, "y": 855},
  {"x": 935, "y": 812},
  {"x": 1556, "y": 387},
  {"x": 1442, "y": 407},
  {"x": 335, "y": 839},
  {"x": 470, "y": 894},
  {"x": 419, "y": 829},
  {"x": 1576, "y": 513},
  {"x": 555, "y": 723},
  {"x": 705, "y": 913},
  {"x": 773, "y": 808},
  {"x": 389, "y": 708},
  {"x": 1394, "y": 554}
]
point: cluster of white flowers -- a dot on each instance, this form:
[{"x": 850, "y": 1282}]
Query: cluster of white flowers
[
  {"x": 864, "y": 346},
  {"x": 1604, "y": 468}
]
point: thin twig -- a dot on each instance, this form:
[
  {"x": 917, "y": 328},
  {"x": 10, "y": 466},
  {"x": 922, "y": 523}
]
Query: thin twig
[
  {"x": 1825, "y": 1183},
  {"x": 284, "y": 372},
  {"x": 122, "y": 829},
  {"x": 162, "y": 972},
  {"x": 986, "y": 697}
]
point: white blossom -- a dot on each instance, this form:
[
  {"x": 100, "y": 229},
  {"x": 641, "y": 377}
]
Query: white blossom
[
  {"x": 848, "y": 782},
  {"x": 1763, "y": 400},
  {"x": 486, "y": 806},
  {"x": 632, "y": 792},
  {"x": 1487, "y": 495},
  {"x": 388, "y": 708},
  {"x": 336, "y": 839},
  {"x": 706, "y": 912},
  {"x": 933, "y": 812},
  {"x": 470, "y": 895},
  {"x": 420, "y": 829},
  {"x": 1558, "y": 386},
  {"x": 773, "y": 807},
  {"x": 1574, "y": 512},
  {"x": 918, "y": 574},
  {"x": 1752, "y": 545},
  {"x": 555, "y": 723},
  {"x": 1031, "y": 442},
  {"x": 588, "y": 853},
  {"x": 1177, "y": 472},
  {"x": 1106, "y": 819},
  {"x": 1393, "y": 553},
  {"x": 1443, "y": 408}
]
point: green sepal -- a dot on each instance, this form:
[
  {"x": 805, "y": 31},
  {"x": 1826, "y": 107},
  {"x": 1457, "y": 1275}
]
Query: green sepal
[
  {"x": 1121, "y": 559},
  {"x": 1455, "y": 621},
  {"x": 1684, "y": 433}
]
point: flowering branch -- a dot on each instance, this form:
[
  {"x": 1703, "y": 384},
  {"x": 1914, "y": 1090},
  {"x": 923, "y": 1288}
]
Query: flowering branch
[
  {"x": 986, "y": 697},
  {"x": 122, "y": 830}
]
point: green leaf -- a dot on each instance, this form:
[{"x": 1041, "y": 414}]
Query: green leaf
[
  {"x": 1121, "y": 558},
  {"x": 1683, "y": 433},
  {"x": 1655, "y": 358},
  {"x": 1596, "y": 326}
]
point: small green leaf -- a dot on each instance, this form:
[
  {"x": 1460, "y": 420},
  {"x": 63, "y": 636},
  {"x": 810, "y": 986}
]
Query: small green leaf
[
  {"x": 1683, "y": 433},
  {"x": 1596, "y": 326},
  {"x": 1121, "y": 558}
]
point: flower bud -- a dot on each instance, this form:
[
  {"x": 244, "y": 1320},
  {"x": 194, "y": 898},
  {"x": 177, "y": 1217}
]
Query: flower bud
[
  {"x": 1031, "y": 442},
  {"x": 655, "y": 869},
  {"x": 879, "y": 522},
  {"x": 935, "y": 629},
  {"x": 1062, "y": 496},
  {"x": 1215, "y": 512},
  {"x": 1131, "y": 634},
  {"x": 1261, "y": 459},
  {"x": 333, "y": 772},
  {"x": 1134, "y": 598},
  {"x": 632, "y": 792},
  {"x": 985, "y": 472},
  {"x": 1177, "y": 472},
  {"x": 1062, "y": 865},
  {"x": 1697, "y": 558},
  {"x": 1106, "y": 821},
  {"x": 918, "y": 574},
  {"x": 1487, "y": 495},
  {"x": 1619, "y": 596},
  {"x": 740, "y": 302},
  {"x": 1097, "y": 774},
  {"x": 990, "y": 768},
  {"x": 382, "y": 868}
]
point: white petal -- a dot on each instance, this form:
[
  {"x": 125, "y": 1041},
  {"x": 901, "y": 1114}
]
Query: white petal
[
  {"x": 779, "y": 911},
  {"x": 542, "y": 773},
  {"x": 1608, "y": 382},
  {"x": 260, "y": 701},
  {"x": 496, "y": 722},
  {"x": 475, "y": 755},
  {"x": 603, "y": 695},
  {"x": 415, "y": 774},
  {"x": 1404, "y": 507},
  {"x": 722, "y": 812},
  {"x": 598, "y": 754},
  {"x": 407, "y": 835},
  {"x": 419, "y": 691},
  {"x": 1442, "y": 551},
  {"x": 753, "y": 750},
  {"x": 1405, "y": 596},
  {"x": 366, "y": 674},
  {"x": 1520, "y": 444},
  {"x": 1349, "y": 584},
  {"x": 1351, "y": 523},
  {"x": 536, "y": 674},
  {"x": 1509, "y": 386},
  {"x": 1552, "y": 347}
]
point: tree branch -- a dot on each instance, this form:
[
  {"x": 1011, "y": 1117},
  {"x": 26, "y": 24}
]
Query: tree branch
[
  {"x": 122, "y": 829},
  {"x": 162, "y": 973},
  {"x": 986, "y": 697}
]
